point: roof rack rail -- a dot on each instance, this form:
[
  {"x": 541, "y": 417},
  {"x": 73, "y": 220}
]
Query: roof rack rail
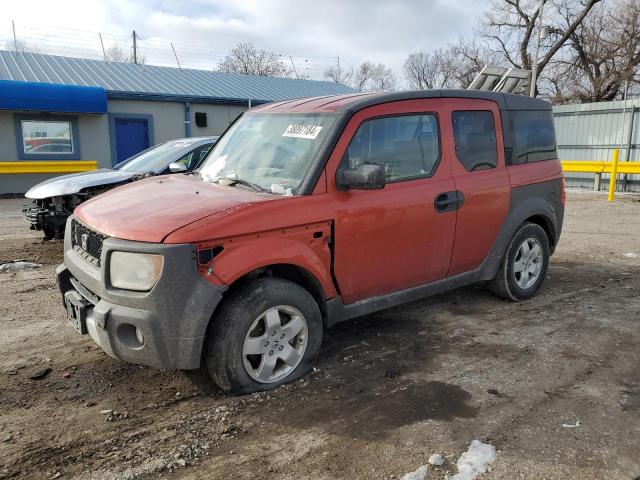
[{"x": 501, "y": 79}]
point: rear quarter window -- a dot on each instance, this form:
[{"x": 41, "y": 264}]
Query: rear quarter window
[{"x": 534, "y": 136}]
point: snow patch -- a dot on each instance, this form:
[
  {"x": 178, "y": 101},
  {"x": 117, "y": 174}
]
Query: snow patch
[
  {"x": 474, "y": 461},
  {"x": 17, "y": 265},
  {"x": 632, "y": 255},
  {"x": 571, "y": 425},
  {"x": 419, "y": 474}
]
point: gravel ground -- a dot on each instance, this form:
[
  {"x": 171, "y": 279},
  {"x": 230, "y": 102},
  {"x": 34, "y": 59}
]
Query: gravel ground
[{"x": 390, "y": 389}]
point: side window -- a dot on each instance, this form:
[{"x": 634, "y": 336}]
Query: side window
[
  {"x": 534, "y": 136},
  {"x": 193, "y": 158},
  {"x": 205, "y": 150},
  {"x": 407, "y": 146},
  {"x": 474, "y": 134}
]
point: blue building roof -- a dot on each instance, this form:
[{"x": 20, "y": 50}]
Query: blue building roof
[{"x": 126, "y": 80}]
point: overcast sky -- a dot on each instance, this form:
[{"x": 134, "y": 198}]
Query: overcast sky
[{"x": 354, "y": 30}]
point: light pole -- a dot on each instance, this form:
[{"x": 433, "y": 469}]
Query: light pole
[{"x": 534, "y": 67}]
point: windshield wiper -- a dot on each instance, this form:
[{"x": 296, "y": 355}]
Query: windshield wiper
[{"x": 230, "y": 182}]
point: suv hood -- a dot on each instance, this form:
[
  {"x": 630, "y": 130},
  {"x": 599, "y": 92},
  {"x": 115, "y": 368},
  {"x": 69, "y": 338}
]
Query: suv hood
[
  {"x": 74, "y": 182},
  {"x": 149, "y": 210}
]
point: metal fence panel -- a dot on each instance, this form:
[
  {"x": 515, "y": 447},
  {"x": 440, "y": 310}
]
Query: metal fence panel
[{"x": 591, "y": 131}]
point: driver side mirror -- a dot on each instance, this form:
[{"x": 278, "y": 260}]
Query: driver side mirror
[
  {"x": 177, "y": 167},
  {"x": 365, "y": 176}
]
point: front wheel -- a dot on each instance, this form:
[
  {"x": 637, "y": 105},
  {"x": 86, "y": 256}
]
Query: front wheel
[
  {"x": 265, "y": 334},
  {"x": 524, "y": 265}
]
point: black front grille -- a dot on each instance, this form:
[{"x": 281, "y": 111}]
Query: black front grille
[{"x": 87, "y": 241}]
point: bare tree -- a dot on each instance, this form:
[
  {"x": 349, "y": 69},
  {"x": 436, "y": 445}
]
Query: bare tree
[
  {"x": 247, "y": 60},
  {"x": 373, "y": 77},
  {"x": 439, "y": 69},
  {"x": 511, "y": 24},
  {"x": 115, "y": 53},
  {"x": 21, "y": 46},
  {"x": 339, "y": 76},
  {"x": 603, "y": 59},
  {"x": 366, "y": 77}
]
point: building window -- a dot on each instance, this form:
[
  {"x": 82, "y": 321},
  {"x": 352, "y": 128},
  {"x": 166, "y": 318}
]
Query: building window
[
  {"x": 47, "y": 137},
  {"x": 474, "y": 132},
  {"x": 42, "y": 138}
]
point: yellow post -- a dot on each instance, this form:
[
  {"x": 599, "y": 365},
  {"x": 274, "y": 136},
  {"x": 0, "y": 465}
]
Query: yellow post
[{"x": 614, "y": 171}]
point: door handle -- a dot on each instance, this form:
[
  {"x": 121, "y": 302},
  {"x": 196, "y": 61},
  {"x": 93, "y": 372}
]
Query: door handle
[{"x": 448, "y": 201}]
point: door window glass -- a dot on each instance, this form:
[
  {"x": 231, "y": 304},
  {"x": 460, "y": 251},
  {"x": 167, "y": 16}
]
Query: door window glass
[
  {"x": 406, "y": 146},
  {"x": 474, "y": 133},
  {"x": 192, "y": 159}
]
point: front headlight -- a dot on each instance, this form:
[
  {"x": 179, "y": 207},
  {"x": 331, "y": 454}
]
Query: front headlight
[{"x": 135, "y": 271}]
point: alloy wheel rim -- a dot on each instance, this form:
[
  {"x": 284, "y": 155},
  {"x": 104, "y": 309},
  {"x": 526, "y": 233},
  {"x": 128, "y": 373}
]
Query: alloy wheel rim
[
  {"x": 275, "y": 344},
  {"x": 527, "y": 263}
]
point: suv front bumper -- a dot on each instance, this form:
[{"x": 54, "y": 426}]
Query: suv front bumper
[{"x": 172, "y": 317}]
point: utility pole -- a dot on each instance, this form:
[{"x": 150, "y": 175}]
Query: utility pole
[
  {"x": 104, "y": 54},
  {"x": 15, "y": 39},
  {"x": 294, "y": 67},
  {"x": 175, "y": 55},
  {"x": 534, "y": 67},
  {"x": 135, "y": 48}
]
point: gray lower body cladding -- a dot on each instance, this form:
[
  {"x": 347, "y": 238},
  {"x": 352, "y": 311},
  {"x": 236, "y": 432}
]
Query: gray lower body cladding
[{"x": 173, "y": 316}]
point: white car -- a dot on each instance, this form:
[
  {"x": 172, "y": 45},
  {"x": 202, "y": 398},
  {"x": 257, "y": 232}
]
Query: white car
[{"x": 55, "y": 199}]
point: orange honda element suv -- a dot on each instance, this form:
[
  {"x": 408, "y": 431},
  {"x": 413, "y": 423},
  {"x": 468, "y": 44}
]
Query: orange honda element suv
[{"x": 309, "y": 212}]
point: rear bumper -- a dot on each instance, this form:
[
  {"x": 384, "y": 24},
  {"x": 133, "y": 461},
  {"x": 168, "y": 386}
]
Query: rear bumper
[{"x": 172, "y": 317}]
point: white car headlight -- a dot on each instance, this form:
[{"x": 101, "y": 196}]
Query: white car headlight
[{"x": 135, "y": 271}]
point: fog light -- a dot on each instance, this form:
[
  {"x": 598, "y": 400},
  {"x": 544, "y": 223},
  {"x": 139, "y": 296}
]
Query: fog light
[{"x": 139, "y": 336}]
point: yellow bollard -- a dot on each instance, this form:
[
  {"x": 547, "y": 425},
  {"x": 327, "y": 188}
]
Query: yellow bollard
[{"x": 614, "y": 172}]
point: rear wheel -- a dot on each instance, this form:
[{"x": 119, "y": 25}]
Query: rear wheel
[
  {"x": 524, "y": 265},
  {"x": 266, "y": 334}
]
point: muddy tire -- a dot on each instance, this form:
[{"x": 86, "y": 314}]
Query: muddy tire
[
  {"x": 524, "y": 265},
  {"x": 265, "y": 334}
]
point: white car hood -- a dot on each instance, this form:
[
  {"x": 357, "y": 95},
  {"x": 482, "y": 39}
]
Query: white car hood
[{"x": 74, "y": 182}]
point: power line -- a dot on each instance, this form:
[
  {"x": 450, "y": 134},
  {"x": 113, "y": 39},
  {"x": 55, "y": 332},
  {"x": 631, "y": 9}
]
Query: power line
[{"x": 152, "y": 51}]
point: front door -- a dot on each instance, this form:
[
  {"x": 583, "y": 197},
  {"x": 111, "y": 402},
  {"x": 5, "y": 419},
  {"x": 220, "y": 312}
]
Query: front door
[
  {"x": 132, "y": 136},
  {"x": 394, "y": 238}
]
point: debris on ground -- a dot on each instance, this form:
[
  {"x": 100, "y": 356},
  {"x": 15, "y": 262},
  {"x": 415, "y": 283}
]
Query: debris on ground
[
  {"x": 632, "y": 255},
  {"x": 475, "y": 461},
  {"x": 113, "y": 415},
  {"x": 419, "y": 474},
  {"x": 17, "y": 265},
  {"x": 575, "y": 425},
  {"x": 437, "y": 459},
  {"x": 40, "y": 374}
]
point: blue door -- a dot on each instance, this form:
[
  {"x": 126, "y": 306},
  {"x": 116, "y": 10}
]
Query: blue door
[{"x": 132, "y": 136}]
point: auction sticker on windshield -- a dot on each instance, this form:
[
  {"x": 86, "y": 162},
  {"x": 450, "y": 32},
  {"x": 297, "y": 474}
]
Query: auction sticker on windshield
[{"x": 302, "y": 131}]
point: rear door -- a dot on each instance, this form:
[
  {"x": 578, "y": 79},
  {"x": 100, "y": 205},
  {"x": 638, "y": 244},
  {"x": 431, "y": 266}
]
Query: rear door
[
  {"x": 480, "y": 175},
  {"x": 394, "y": 238}
]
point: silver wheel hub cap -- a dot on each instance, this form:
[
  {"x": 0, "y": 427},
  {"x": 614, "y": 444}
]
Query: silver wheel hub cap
[
  {"x": 275, "y": 344},
  {"x": 528, "y": 262}
]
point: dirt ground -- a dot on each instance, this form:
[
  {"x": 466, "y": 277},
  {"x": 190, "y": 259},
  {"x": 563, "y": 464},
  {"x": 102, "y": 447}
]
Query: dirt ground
[{"x": 389, "y": 390}]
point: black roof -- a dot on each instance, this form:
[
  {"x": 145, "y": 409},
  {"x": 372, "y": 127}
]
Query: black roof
[{"x": 506, "y": 101}]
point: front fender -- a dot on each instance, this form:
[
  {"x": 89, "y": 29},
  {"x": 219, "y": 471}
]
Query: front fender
[{"x": 306, "y": 247}]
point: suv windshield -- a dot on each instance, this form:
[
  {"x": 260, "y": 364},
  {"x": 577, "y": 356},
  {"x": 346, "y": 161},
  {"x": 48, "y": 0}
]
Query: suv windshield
[
  {"x": 154, "y": 158},
  {"x": 271, "y": 150}
]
